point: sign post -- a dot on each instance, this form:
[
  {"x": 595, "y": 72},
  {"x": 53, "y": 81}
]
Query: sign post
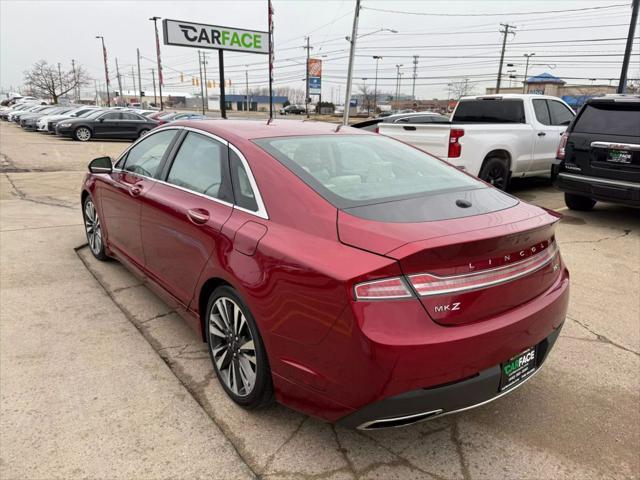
[{"x": 213, "y": 37}]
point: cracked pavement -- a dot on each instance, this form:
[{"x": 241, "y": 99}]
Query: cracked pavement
[{"x": 578, "y": 418}]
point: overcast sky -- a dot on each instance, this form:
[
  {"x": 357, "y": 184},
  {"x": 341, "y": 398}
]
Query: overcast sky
[{"x": 576, "y": 46}]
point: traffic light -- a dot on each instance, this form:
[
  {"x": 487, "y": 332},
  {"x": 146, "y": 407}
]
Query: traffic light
[{"x": 142, "y": 94}]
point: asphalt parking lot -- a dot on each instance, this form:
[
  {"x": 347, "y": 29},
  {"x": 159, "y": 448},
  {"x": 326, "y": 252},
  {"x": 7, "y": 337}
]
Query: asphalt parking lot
[{"x": 100, "y": 379}]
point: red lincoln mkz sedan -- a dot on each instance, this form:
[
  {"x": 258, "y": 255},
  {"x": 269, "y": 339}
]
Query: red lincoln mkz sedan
[{"x": 351, "y": 276}]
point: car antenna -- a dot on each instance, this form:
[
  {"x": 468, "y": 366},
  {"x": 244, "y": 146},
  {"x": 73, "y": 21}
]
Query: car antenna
[
  {"x": 269, "y": 120},
  {"x": 338, "y": 128}
]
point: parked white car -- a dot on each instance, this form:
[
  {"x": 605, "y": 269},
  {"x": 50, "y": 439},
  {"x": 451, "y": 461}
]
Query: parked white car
[
  {"x": 46, "y": 123},
  {"x": 495, "y": 137}
]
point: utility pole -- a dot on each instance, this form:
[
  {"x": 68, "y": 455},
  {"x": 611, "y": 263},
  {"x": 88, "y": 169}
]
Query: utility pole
[
  {"x": 366, "y": 95},
  {"x": 106, "y": 68},
  {"x": 352, "y": 54},
  {"x": 526, "y": 71},
  {"x": 375, "y": 86},
  {"x": 308, "y": 48},
  {"x": 398, "y": 84},
  {"x": 246, "y": 81},
  {"x": 153, "y": 76},
  {"x": 504, "y": 45},
  {"x": 118, "y": 77},
  {"x": 622, "y": 84},
  {"x": 415, "y": 74},
  {"x": 76, "y": 87},
  {"x": 133, "y": 76},
  {"x": 95, "y": 84},
  {"x": 201, "y": 82},
  {"x": 139, "y": 78},
  {"x": 160, "y": 80}
]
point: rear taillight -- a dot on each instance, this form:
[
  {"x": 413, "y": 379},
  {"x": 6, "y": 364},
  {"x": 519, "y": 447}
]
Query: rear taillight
[
  {"x": 427, "y": 284},
  {"x": 455, "y": 149},
  {"x": 386, "y": 289},
  {"x": 377, "y": 130},
  {"x": 562, "y": 146}
]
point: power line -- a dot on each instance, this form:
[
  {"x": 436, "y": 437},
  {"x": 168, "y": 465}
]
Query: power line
[{"x": 429, "y": 14}]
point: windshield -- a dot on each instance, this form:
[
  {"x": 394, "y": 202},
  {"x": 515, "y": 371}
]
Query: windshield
[
  {"x": 93, "y": 114},
  {"x": 354, "y": 170}
]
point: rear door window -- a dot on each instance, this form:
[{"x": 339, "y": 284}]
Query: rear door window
[
  {"x": 609, "y": 119},
  {"x": 490, "y": 111},
  {"x": 560, "y": 113},
  {"x": 542, "y": 111},
  {"x": 201, "y": 166}
]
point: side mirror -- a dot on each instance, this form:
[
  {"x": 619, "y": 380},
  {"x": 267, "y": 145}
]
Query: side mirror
[
  {"x": 101, "y": 119},
  {"x": 101, "y": 165}
]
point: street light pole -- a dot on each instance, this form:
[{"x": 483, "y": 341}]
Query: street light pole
[
  {"x": 306, "y": 89},
  {"x": 106, "y": 68},
  {"x": 153, "y": 77},
  {"x": 160, "y": 81},
  {"x": 375, "y": 86},
  {"x": 526, "y": 71},
  {"x": 352, "y": 54},
  {"x": 246, "y": 81}
]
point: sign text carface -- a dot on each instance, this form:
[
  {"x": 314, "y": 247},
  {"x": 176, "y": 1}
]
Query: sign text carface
[{"x": 189, "y": 34}]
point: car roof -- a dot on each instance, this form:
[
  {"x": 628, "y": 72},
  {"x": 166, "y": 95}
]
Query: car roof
[
  {"x": 239, "y": 130},
  {"x": 617, "y": 97}
]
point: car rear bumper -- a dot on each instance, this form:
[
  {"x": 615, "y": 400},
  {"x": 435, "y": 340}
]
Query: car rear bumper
[
  {"x": 428, "y": 403},
  {"x": 603, "y": 189},
  {"x": 386, "y": 360}
]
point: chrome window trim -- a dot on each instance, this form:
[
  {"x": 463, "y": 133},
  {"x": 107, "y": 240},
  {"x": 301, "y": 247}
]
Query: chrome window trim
[{"x": 261, "y": 213}]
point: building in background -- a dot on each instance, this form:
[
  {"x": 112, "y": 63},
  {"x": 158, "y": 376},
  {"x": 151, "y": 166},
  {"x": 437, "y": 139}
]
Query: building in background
[{"x": 547, "y": 84}]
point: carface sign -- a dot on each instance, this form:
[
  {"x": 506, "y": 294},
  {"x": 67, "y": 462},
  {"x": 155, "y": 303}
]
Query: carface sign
[{"x": 188, "y": 34}]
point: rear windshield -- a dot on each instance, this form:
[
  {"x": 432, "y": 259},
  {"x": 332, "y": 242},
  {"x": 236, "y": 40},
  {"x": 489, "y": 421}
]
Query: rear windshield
[
  {"x": 490, "y": 111},
  {"x": 610, "y": 119},
  {"x": 354, "y": 170}
]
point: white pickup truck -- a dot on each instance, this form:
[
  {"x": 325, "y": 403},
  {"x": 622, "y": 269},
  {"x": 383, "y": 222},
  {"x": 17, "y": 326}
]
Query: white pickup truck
[{"x": 494, "y": 137}]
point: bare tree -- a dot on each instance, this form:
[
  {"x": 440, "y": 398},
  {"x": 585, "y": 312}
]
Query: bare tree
[
  {"x": 51, "y": 81},
  {"x": 366, "y": 96},
  {"x": 461, "y": 89}
]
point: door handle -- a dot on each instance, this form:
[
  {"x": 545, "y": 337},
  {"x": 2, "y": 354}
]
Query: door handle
[
  {"x": 541, "y": 134},
  {"x": 199, "y": 216},
  {"x": 409, "y": 128},
  {"x": 135, "y": 191}
]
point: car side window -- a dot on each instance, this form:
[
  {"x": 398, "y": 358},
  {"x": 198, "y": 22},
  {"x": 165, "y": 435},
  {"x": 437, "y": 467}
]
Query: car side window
[
  {"x": 200, "y": 166},
  {"x": 130, "y": 116},
  {"x": 242, "y": 191},
  {"x": 112, "y": 116},
  {"x": 541, "y": 110},
  {"x": 560, "y": 114},
  {"x": 145, "y": 157}
]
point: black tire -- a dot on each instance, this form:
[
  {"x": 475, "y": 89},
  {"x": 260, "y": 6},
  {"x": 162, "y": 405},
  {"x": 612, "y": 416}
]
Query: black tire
[
  {"x": 496, "y": 172},
  {"x": 143, "y": 132},
  {"x": 93, "y": 229},
  {"x": 223, "y": 345},
  {"x": 82, "y": 134},
  {"x": 579, "y": 202}
]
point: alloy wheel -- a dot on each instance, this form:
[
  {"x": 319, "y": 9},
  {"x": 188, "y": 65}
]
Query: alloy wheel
[
  {"x": 83, "y": 134},
  {"x": 232, "y": 346},
  {"x": 92, "y": 227}
]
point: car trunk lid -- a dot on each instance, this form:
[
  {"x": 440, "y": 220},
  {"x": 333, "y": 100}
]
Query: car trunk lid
[{"x": 468, "y": 269}]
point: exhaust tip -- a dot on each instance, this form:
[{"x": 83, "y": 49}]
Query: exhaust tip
[{"x": 396, "y": 422}]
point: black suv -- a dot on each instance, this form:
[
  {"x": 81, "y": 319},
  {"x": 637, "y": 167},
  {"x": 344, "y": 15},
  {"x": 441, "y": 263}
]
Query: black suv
[{"x": 599, "y": 154}]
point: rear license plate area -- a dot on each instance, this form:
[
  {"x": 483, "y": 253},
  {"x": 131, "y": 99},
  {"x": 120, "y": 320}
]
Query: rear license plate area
[
  {"x": 620, "y": 157},
  {"x": 515, "y": 370}
]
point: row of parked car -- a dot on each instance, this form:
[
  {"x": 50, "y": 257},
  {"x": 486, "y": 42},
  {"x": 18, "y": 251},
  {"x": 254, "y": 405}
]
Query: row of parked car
[{"x": 85, "y": 122}]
